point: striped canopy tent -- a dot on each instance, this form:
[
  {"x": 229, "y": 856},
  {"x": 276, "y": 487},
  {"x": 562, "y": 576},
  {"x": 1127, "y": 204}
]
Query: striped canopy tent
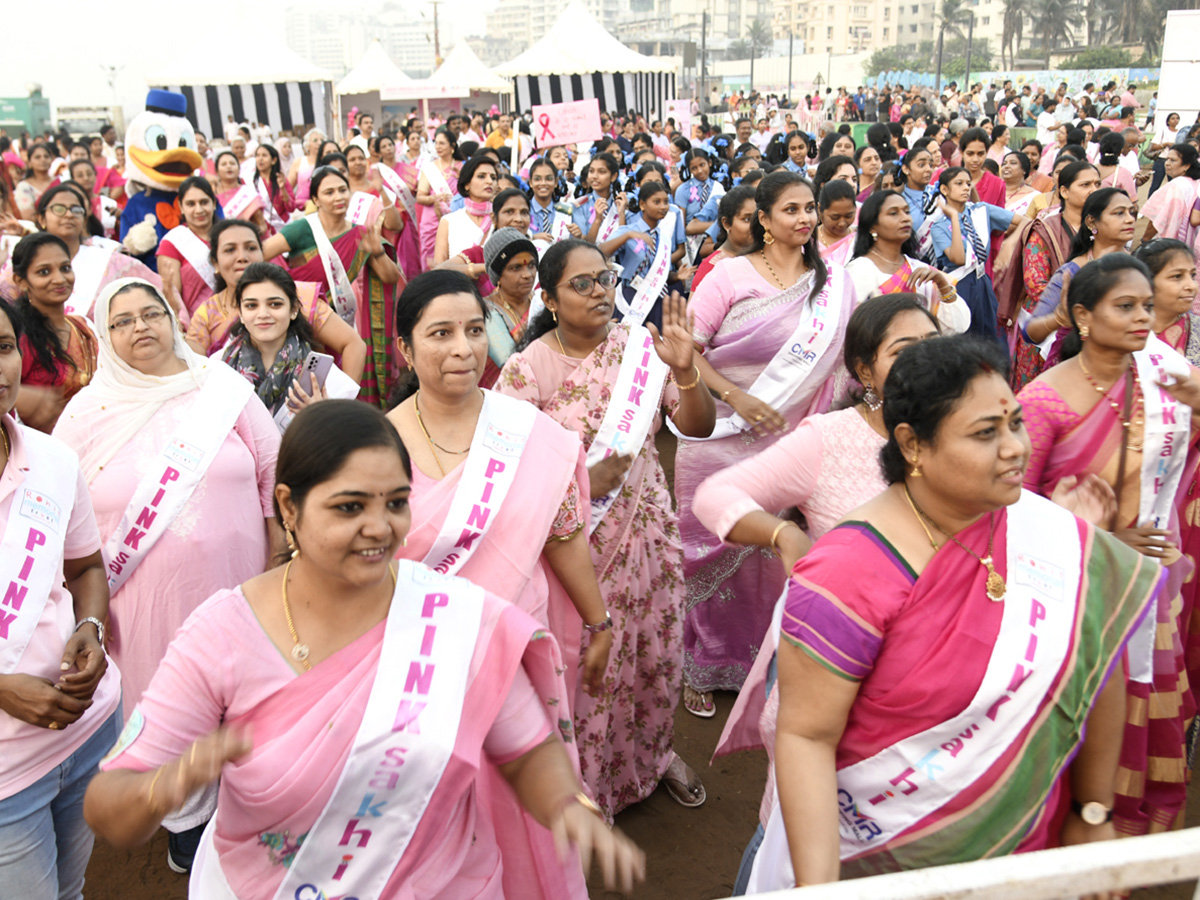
[
  {"x": 579, "y": 60},
  {"x": 361, "y": 85},
  {"x": 254, "y": 81}
]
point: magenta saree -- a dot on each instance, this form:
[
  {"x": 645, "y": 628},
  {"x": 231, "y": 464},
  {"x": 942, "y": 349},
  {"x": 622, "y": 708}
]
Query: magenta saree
[{"x": 1152, "y": 779}]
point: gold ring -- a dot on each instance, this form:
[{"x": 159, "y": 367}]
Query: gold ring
[
  {"x": 758, "y": 418},
  {"x": 53, "y": 726}
]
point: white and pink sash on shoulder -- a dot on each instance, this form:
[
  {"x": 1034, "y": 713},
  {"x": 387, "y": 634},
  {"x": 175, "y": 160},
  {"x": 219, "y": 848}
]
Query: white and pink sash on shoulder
[
  {"x": 341, "y": 292},
  {"x": 400, "y": 751},
  {"x": 501, "y": 434},
  {"x": 31, "y": 550},
  {"x": 195, "y": 251},
  {"x": 177, "y": 471},
  {"x": 243, "y": 204}
]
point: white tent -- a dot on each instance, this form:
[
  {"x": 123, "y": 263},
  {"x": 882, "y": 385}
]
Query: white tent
[
  {"x": 254, "y": 81},
  {"x": 462, "y": 68},
  {"x": 577, "y": 60},
  {"x": 374, "y": 71}
]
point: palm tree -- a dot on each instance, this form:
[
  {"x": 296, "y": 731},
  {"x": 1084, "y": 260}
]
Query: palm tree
[
  {"x": 1056, "y": 22},
  {"x": 1103, "y": 20},
  {"x": 1015, "y": 12},
  {"x": 955, "y": 16},
  {"x": 760, "y": 36},
  {"x": 739, "y": 49}
]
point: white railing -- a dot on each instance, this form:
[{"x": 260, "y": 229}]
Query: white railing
[{"x": 1067, "y": 872}]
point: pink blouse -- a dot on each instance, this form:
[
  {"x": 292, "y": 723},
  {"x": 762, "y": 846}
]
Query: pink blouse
[{"x": 828, "y": 466}]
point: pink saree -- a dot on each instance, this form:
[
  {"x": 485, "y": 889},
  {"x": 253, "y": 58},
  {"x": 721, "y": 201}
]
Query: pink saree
[
  {"x": 1170, "y": 209},
  {"x": 742, "y": 322},
  {"x": 1152, "y": 778},
  {"x": 408, "y": 246},
  {"x": 508, "y": 561},
  {"x": 626, "y": 734},
  {"x": 429, "y": 217},
  {"x": 471, "y": 842},
  {"x": 839, "y": 252}
]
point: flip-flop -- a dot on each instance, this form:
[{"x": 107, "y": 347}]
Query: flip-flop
[
  {"x": 705, "y": 712},
  {"x": 678, "y": 788}
]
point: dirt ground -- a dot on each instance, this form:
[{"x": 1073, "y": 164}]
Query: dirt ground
[{"x": 693, "y": 854}]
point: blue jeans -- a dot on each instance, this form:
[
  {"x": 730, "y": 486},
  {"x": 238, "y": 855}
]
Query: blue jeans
[{"x": 45, "y": 844}]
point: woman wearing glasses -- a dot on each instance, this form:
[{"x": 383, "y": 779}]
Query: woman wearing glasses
[
  {"x": 96, "y": 261},
  {"x": 179, "y": 455}
]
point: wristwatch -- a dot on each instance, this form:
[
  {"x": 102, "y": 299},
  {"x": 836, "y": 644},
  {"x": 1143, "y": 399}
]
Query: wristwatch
[
  {"x": 600, "y": 626},
  {"x": 1092, "y": 812},
  {"x": 94, "y": 621}
]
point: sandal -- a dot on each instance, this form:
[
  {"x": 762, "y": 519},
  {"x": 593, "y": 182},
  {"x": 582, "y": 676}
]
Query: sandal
[
  {"x": 683, "y": 784},
  {"x": 701, "y": 704}
]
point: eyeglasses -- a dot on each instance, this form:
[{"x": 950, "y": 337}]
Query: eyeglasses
[
  {"x": 60, "y": 209},
  {"x": 151, "y": 317},
  {"x": 583, "y": 284}
]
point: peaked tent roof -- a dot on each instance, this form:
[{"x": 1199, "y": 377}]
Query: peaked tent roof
[
  {"x": 577, "y": 44},
  {"x": 374, "y": 71},
  {"x": 462, "y": 68},
  {"x": 245, "y": 59}
]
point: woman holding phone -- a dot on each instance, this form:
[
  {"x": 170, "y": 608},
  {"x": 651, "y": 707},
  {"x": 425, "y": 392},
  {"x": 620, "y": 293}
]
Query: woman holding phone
[{"x": 272, "y": 342}]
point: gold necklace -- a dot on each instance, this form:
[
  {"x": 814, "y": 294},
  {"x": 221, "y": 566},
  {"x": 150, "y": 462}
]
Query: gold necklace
[
  {"x": 1136, "y": 417},
  {"x": 995, "y": 581},
  {"x": 300, "y": 652},
  {"x": 892, "y": 262},
  {"x": 771, "y": 268},
  {"x": 432, "y": 443}
]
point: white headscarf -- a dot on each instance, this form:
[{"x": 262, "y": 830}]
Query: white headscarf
[{"x": 105, "y": 415}]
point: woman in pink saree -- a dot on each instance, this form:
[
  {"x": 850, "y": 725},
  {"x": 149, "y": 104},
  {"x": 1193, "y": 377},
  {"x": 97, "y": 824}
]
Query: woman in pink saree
[
  {"x": 499, "y": 489},
  {"x": 571, "y": 368},
  {"x": 1169, "y": 209},
  {"x": 318, "y": 688},
  {"x": 408, "y": 251},
  {"x": 436, "y": 187},
  {"x": 750, "y": 315},
  {"x": 1125, "y": 435}
]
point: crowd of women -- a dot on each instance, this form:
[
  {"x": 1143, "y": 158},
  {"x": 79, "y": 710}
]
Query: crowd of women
[{"x": 364, "y": 374}]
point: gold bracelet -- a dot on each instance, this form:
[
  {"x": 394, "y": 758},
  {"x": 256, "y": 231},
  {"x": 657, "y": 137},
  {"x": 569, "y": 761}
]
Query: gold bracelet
[
  {"x": 688, "y": 387},
  {"x": 725, "y": 394},
  {"x": 153, "y": 782},
  {"x": 775, "y": 534}
]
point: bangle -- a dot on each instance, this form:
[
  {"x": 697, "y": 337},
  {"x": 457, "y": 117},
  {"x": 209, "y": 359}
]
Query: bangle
[
  {"x": 688, "y": 387},
  {"x": 949, "y": 293},
  {"x": 600, "y": 626},
  {"x": 775, "y": 534},
  {"x": 585, "y": 801},
  {"x": 93, "y": 621}
]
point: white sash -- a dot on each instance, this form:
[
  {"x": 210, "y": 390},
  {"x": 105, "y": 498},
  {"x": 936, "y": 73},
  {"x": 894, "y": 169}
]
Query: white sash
[
  {"x": 195, "y": 251},
  {"x": 437, "y": 182},
  {"x": 652, "y": 284},
  {"x": 1167, "y": 426},
  {"x": 90, "y": 263},
  {"x": 31, "y": 553},
  {"x": 881, "y": 797},
  {"x": 361, "y": 835},
  {"x": 394, "y": 766},
  {"x": 635, "y": 400},
  {"x": 175, "y": 473},
  {"x": 264, "y": 194},
  {"x": 971, "y": 263},
  {"x": 798, "y": 356},
  {"x": 237, "y": 205},
  {"x": 360, "y": 207},
  {"x": 398, "y": 188},
  {"x": 341, "y": 292},
  {"x": 491, "y": 468},
  {"x": 609, "y": 223}
]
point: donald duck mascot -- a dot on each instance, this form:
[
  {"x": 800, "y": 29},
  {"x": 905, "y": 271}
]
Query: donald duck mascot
[{"x": 160, "y": 150}]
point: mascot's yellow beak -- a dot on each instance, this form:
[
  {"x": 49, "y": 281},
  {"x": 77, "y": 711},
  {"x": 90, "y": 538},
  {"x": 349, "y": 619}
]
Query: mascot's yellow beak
[{"x": 167, "y": 167}]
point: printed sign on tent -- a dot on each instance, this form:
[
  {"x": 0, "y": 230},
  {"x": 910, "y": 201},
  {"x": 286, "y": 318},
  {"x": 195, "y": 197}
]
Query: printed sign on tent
[{"x": 566, "y": 123}]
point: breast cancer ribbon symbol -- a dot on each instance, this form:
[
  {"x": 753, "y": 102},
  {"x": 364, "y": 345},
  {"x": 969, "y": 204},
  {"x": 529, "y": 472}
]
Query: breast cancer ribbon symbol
[{"x": 544, "y": 121}]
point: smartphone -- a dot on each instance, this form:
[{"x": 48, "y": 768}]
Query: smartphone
[{"x": 314, "y": 371}]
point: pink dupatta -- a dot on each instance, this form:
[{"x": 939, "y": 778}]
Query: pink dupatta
[
  {"x": 303, "y": 734},
  {"x": 508, "y": 562}
]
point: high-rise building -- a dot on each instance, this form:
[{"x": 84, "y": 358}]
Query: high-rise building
[{"x": 337, "y": 39}]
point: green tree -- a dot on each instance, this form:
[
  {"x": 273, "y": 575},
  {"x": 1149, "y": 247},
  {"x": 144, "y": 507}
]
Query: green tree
[
  {"x": 760, "y": 36},
  {"x": 1055, "y": 22},
  {"x": 955, "y": 17},
  {"x": 1103, "y": 20},
  {"x": 1015, "y": 13},
  {"x": 896, "y": 59},
  {"x": 1099, "y": 58},
  {"x": 954, "y": 58},
  {"x": 739, "y": 49}
]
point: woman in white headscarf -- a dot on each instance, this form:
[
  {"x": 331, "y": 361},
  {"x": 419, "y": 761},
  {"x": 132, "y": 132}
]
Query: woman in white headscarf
[{"x": 179, "y": 456}]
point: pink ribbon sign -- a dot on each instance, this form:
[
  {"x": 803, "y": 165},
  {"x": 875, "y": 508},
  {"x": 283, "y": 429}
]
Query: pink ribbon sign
[{"x": 567, "y": 123}]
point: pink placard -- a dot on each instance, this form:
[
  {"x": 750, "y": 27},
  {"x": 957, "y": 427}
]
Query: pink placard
[{"x": 566, "y": 123}]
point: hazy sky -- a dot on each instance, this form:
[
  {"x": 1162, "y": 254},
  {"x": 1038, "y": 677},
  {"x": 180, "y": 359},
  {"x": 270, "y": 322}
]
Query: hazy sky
[{"x": 69, "y": 57}]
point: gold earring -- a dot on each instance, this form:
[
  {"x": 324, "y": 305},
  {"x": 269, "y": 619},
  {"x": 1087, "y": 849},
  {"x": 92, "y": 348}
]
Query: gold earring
[
  {"x": 1084, "y": 332},
  {"x": 290, "y": 536},
  {"x": 916, "y": 466},
  {"x": 554, "y": 315},
  {"x": 768, "y": 238}
]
